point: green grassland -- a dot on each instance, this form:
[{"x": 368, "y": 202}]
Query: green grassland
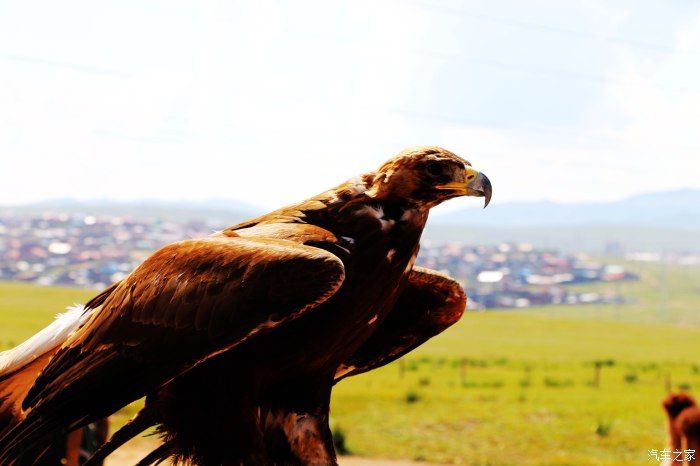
[
  {"x": 504, "y": 387},
  {"x": 24, "y": 309}
]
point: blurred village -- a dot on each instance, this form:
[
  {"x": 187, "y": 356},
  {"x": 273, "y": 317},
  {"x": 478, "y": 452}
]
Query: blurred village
[
  {"x": 92, "y": 252},
  {"x": 519, "y": 275}
]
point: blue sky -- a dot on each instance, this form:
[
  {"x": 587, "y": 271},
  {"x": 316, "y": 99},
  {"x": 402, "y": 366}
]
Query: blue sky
[{"x": 270, "y": 102}]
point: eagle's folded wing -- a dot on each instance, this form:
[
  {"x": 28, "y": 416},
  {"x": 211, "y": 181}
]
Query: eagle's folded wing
[
  {"x": 186, "y": 303},
  {"x": 430, "y": 303}
]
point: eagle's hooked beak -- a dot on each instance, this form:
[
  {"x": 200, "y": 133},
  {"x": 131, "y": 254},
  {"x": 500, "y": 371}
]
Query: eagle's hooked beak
[
  {"x": 478, "y": 185},
  {"x": 475, "y": 184}
]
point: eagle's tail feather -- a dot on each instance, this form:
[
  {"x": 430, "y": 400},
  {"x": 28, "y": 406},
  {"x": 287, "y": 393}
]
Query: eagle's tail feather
[
  {"x": 157, "y": 456},
  {"x": 142, "y": 421}
]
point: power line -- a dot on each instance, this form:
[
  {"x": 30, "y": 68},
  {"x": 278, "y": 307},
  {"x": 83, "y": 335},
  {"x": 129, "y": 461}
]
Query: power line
[
  {"x": 60, "y": 64},
  {"x": 548, "y": 129},
  {"x": 578, "y": 33},
  {"x": 511, "y": 66},
  {"x": 546, "y": 71},
  {"x": 578, "y": 136}
]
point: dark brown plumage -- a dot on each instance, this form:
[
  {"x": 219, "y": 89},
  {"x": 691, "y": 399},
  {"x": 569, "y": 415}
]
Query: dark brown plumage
[{"x": 237, "y": 339}]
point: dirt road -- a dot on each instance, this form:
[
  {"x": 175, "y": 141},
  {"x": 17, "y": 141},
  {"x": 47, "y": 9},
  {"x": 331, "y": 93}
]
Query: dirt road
[{"x": 131, "y": 453}]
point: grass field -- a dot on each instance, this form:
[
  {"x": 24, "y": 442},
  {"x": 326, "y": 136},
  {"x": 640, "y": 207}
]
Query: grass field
[{"x": 504, "y": 387}]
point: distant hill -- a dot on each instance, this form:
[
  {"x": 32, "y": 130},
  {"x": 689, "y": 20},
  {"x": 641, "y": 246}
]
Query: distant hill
[
  {"x": 673, "y": 209},
  {"x": 655, "y": 222},
  {"x": 214, "y": 210},
  {"x": 659, "y": 221}
]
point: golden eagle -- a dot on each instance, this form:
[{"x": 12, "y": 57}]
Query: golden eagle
[{"x": 237, "y": 339}]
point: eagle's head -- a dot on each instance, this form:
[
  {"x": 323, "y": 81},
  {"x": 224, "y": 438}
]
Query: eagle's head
[{"x": 428, "y": 176}]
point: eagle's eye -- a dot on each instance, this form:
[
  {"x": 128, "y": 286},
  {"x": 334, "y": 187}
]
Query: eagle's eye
[{"x": 433, "y": 168}]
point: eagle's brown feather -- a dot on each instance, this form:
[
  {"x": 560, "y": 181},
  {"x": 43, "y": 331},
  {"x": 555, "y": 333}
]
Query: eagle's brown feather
[
  {"x": 183, "y": 305},
  {"x": 430, "y": 303}
]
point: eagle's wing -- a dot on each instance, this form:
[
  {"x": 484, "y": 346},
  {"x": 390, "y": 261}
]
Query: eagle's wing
[
  {"x": 186, "y": 303},
  {"x": 429, "y": 304}
]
